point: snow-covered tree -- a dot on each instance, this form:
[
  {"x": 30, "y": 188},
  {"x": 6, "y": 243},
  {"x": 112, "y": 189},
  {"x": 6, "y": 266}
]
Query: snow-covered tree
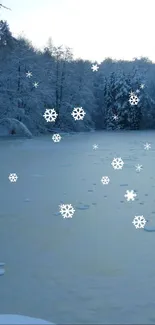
[
  {"x": 120, "y": 114},
  {"x": 32, "y": 81}
]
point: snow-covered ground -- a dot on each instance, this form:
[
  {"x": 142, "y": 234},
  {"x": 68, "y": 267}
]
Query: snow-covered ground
[
  {"x": 20, "y": 319},
  {"x": 95, "y": 267}
]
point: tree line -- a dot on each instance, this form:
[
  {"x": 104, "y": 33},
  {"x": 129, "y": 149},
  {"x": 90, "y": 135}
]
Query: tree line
[{"x": 32, "y": 81}]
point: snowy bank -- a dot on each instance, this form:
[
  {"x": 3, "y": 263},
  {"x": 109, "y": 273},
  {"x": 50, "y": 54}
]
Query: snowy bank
[
  {"x": 11, "y": 126},
  {"x": 20, "y": 319}
]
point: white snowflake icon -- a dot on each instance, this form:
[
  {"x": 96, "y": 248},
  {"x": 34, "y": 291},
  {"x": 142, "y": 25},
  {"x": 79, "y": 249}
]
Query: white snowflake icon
[
  {"x": 147, "y": 146},
  {"x": 50, "y": 115},
  {"x": 139, "y": 222},
  {"x": 130, "y": 195},
  {"x": 132, "y": 93},
  {"x": 78, "y": 113},
  {"x": 13, "y": 178},
  {"x": 66, "y": 210},
  {"x": 105, "y": 180},
  {"x": 138, "y": 168},
  {"x": 95, "y": 146},
  {"x": 137, "y": 91},
  {"x": 95, "y": 67},
  {"x": 36, "y": 84},
  {"x": 56, "y": 137},
  {"x": 134, "y": 100},
  {"x": 115, "y": 117},
  {"x": 117, "y": 163},
  {"x": 142, "y": 86},
  {"x": 28, "y": 74}
]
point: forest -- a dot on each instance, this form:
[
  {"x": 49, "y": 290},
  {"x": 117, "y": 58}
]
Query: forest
[{"x": 33, "y": 81}]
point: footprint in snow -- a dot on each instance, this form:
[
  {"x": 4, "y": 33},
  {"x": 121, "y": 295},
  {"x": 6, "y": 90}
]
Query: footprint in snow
[
  {"x": 2, "y": 271},
  {"x": 83, "y": 207},
  {"x": 37, "y": 175},
  {"x": 27, "y": 200}
]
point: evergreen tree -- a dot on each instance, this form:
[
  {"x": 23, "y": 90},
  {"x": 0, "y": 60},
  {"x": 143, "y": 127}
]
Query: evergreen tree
[
  {"x": 6, "y": 38},
  {"x": 116, "y": 98}
]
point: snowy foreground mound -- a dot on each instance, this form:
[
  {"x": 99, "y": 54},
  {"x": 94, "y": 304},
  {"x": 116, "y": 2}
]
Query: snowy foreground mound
[
  {"x": 11, "y": 126},
  {"x": 20, "y": 319}
]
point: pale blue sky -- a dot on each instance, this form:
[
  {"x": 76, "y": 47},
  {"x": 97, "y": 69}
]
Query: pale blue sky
[{"x": 94, "y": 29}]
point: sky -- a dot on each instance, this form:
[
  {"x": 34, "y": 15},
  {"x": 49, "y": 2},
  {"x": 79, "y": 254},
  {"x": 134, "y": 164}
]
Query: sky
[{"x": 93, "y": 29}]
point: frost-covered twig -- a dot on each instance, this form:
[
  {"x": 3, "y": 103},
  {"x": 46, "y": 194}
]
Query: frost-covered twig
[{"x": 4, "y": 7}]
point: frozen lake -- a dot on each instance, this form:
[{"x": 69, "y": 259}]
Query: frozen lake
[{"x": 95, "y": 267}]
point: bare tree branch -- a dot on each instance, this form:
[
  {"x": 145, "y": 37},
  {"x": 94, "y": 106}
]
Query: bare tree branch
[{"x": 4, "y": 7}]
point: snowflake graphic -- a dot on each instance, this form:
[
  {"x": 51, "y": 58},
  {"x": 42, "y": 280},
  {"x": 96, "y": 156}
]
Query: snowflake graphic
[
  {"x": 50, "y": 115},
  {"x": 130, "y": 195},
  {"x": 115, "y": 117},
  {"x": 139, "y": 222},
  {"x": 36, "y": 84},
  {"x": 132, "y": 93},
  {"x": 134, "y": 100},
  {"x": 142, "y": 86},
  {"x": 56, "y": 137},
  {"x": 66, "y": 210},
  {"x": 117, "y": 163},
  {"x": 78, "y": 113},
  {"x": 13, "y": 178},
  {"x": 95, "y": 67},
  {"x": 138, "y": 168},
  {"x": 95, "y": 146},
  {"x": 147, "y": 146},
  {"x": 28, "y": 74},
  {"x": 105, "y": 180},
  {"x": 137, "y": 91}
]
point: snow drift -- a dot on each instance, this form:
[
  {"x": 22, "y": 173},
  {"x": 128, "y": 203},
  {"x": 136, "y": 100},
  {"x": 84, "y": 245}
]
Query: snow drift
[
  {"x": 11, "y": 126},
  {"x": 20, "y": 319}
]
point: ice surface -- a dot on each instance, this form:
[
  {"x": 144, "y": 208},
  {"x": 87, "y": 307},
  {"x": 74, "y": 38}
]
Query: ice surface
[{"x": 96, "y": 267}]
